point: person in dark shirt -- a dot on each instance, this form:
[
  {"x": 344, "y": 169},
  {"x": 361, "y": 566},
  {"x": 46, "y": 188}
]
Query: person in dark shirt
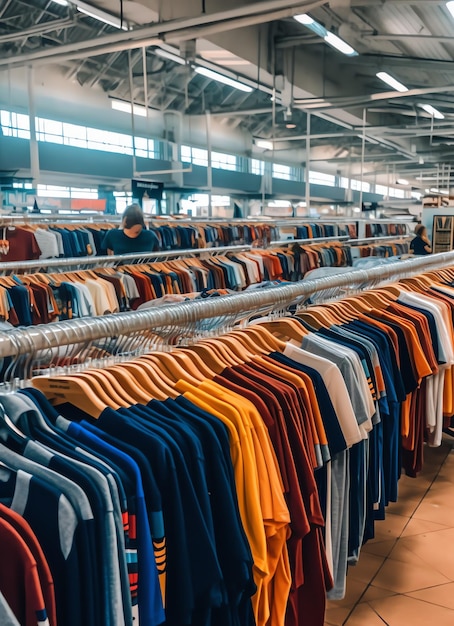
[
  {"x": 133, "y": 235},
  {"x": 420, "y": 244}
]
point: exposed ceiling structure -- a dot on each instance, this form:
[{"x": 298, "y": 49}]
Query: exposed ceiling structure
[{"x": 293, "y": 73}]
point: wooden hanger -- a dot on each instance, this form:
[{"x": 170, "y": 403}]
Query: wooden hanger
[
  {"x": 286, "y": 328},
  {"x": 265, "y": 338},
  {"x": 210, "y": 359},
  {"x": 76, "y": 391},
  {"x": 199, "y": 368},
  {"x": 222, "y": 351},
  {"x": 179, "y": 365}
]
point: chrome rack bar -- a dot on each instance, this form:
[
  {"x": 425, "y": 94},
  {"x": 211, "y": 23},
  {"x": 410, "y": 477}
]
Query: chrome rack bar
[
  {"x": 313, "y": 240},
  {"x": 30, "y": 340},
  {"x": 366, "y": 240}
]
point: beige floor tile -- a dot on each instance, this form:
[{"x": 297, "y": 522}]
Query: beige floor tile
[
  {"x": 336, "y": 616},
  {"x": 434, "y": 550},
  {"x": 368, "y": 565},
  {"x": 364, "y": 615},
  {"x": 379, "y": 548},
  {"x": 391, "y": 527},
  {"x": 405, "y": 577},
  {"x": 421, "y": 527},
  {"x": 435, "y": 510},
  {"x": 443, "y": 595},
  {"x": 376, "y": 593},
  {"x": 405, "y": 611},
  {"x": 353, "y": 593},
  {"x": 404, "y": 553},
  {"x": 405, "y": 506}
]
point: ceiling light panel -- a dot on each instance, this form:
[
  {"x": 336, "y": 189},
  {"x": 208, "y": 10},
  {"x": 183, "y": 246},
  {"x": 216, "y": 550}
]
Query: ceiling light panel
[
  {"x": 391, "y": 81},
  {"x": 330, "y": 38},
  {"x": 221, "y": 78},
  {"x": 98, "y": 14},
  {"x": 428, "y": 108}
]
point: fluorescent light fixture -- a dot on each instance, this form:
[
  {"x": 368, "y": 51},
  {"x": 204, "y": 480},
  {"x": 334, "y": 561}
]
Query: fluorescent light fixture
[
  {"x": 304, "y": 19},
  {"x": 98, "y": 14},
  {"x": 428, "y": 108},
  {"x": 392, "y": 82},
  {"x": 264, "y": 143},
  {"x": 402, "y": 181},
  {"x": 63, "y": 3},
  {"x": 125, "y": 107},
  {"x": 435, "y": 190},
  {"x": 221, "y": 78},
  {"x": 170, "y": 56},
  {"x": 336, "y": 42},
  {"x": 450, "y": 7},
  {"x": 331, "y": 39}
]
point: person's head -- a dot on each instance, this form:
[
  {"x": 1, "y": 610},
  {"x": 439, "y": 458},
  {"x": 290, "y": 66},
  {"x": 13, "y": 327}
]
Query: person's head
[
  {"x": 133, "y": 218},
  {"x": 420, "y": 230}
]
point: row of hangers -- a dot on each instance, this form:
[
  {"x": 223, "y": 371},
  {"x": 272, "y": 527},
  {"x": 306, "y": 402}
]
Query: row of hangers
[{"x": 154, "y": 375}]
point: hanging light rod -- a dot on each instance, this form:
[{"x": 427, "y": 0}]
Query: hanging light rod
[{"x": 331, "y": 39}]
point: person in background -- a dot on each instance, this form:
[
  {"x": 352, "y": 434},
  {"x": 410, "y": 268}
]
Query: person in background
[
  {"x": 420, "y": 244},
  {"x": 133, "y": 235}
]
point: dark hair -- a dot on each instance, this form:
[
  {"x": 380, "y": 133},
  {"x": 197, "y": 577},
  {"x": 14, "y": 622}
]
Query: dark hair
[
  {"x": 420, "y": 228},
  {"x": 132, "y": 216}
]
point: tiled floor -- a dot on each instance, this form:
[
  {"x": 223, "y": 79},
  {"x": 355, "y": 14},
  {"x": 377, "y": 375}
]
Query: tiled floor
[{"x": 405, "y": 576}]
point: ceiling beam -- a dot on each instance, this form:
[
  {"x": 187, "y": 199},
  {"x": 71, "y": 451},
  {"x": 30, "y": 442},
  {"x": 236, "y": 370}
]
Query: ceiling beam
[
  {"x": 187, "y": 28},
  {"x": 38, "y": 29}
]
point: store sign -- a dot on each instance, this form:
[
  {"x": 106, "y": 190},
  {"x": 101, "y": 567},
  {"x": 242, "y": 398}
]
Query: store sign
[{"x": 146, "y": 190}]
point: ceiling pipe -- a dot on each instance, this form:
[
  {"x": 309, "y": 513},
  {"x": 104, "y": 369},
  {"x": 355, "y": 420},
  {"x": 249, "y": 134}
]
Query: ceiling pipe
[{"x": 256, "y": 13}]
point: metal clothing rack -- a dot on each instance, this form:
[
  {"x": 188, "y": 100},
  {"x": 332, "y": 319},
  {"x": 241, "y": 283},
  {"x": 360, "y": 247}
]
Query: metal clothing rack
[
  {"x": 384, "y": 239},
  {"x": 121, "y": 259},
  {"x": 129, "y": 332}
]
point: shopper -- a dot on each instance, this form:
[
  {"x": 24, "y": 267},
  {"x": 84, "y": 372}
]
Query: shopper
[
  {"x": 133, "y": 235},
  {"x": 420, "y": 244}
]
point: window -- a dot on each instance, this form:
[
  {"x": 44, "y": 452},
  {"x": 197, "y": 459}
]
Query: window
[
  {"x": 344, "y": 183},
  {"x": 257, "y": 167},
  {"x": 381, "y": 190},
  {"x": 282, "y": 171},
  {"x": 319, "y": 178},
  {"x": 357, "y": 185},
  {"x": 49, "y": 130},
  {"x": 219, "y": 160},
  {"x": 396, "y": 193},
  {"x": 57, "y": 191},
  {"x": 122, "y": 200},
  {"x": 15, "y": 124},
  {"x": 197, "y": 156}
]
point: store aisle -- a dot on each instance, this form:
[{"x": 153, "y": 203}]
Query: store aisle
[{"x": 405, "y": 576}]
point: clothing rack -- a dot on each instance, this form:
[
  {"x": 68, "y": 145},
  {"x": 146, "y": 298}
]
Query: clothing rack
[
  {"x": 366, "y": 240},
  {"x": 172, "y": 320},
  {"x": 113, "y": 260}
]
